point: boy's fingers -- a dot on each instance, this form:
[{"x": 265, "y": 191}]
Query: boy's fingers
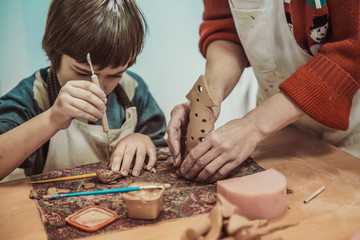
[
  {"x": 129, "y": 154},
  {"x": 116, "y": 159},
  {"x": 152, "y": 159},
  {"x": 140, "y": 157}
]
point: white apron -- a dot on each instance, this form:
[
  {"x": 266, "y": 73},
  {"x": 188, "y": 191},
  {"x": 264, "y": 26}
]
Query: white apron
[
  {"x": 83, "y": 143},
  {"x": 274, "y": 55}
]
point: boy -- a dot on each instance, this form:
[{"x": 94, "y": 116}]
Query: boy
[{"x": 51, "y": 120}]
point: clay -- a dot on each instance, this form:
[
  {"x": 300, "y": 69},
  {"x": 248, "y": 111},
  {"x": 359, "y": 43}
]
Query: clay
[
  {"x": 55, "y": 191},
  {"x": 162, "y": 157},
  {"x": 258, "y": 196},
  {"x": 107, "y": 176},
  {"x": 202, "y": 118},
  {"x": 227, "y": 208},
  {"x": 145, "y": 203},
  {"x": 216, "y": 223},
  {"x": 236, "y": 227},
  {"x": 88, "y": 185},
  {"x": 237, "y": 223},
  {"x": 256, "y": 233},
  {"x": 197, "y": 231},
  {"x": 33, "y": 194}
]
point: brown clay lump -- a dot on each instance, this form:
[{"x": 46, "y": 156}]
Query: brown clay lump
[{"x": 107, "y": 176}]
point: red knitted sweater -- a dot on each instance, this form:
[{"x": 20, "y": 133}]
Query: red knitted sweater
[{"x": 324, "y": 87}]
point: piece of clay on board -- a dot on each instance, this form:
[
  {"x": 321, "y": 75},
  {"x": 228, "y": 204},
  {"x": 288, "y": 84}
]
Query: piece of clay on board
[{"x": 201, "y": 118}]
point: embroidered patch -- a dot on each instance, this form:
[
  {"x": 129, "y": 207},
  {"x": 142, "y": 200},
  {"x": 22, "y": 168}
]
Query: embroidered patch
[{"x": 318, "y": 32}]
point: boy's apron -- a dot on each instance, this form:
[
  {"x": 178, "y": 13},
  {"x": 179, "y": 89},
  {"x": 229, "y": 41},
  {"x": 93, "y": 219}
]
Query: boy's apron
[
  {"x": 274, "y": 56},
  {"x": 82, "y": 143}
]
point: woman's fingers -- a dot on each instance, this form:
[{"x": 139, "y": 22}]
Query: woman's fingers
[{"x": 176, "y": 129}]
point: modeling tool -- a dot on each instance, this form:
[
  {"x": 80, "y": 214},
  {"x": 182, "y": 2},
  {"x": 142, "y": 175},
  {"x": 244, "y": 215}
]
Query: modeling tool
[
  {"x": 88, "y": 175},
  {"x": 317, "y": 192},
  {"x": 106, "y": 191},
  {"x": 104, "y": 120}
]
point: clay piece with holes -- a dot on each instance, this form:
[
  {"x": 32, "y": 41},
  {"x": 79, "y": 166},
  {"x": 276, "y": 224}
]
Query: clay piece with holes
[{"x": 202, "y": 117}]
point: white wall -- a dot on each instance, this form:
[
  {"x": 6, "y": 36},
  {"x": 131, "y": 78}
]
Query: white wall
[{"x": 170, "y": 62}]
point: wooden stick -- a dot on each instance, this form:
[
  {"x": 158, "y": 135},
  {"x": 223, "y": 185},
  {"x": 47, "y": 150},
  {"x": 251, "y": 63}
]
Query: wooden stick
[
  {"x": 95, "y": 80},
  {"x": 66, "y": 178},
  {"x": 317, "y": 192}
]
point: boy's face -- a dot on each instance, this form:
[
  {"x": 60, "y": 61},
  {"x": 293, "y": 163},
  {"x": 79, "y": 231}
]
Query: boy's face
[{"x": 71, "y": 70}]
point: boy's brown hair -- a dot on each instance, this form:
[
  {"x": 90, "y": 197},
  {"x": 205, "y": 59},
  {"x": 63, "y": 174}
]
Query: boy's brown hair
[{"x": 112, "y": 31}]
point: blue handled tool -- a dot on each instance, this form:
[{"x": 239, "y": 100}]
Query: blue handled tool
[{"x": 106, "y": 191}]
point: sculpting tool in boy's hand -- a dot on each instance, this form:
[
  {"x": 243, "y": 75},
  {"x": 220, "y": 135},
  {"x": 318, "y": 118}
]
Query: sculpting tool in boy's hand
[{"x": 104, "y": 120}]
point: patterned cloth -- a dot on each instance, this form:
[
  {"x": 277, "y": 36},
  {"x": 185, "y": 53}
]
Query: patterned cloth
[{"x": 184, "y": 199}]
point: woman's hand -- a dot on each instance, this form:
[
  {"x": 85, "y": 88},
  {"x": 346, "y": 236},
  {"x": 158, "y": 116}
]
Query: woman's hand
[
  {"x": 221, "y": 151},
  {"x": 176, "y": 131},
  {"x": 228, "y": 146},
  {"x": 135, "y": 145},
  {"x": 78, "y": 99}
]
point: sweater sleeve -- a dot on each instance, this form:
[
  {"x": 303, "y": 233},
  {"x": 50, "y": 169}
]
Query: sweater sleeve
[
  {"x": 217, "y": 24},
  {"x": 324, "y": 87}
]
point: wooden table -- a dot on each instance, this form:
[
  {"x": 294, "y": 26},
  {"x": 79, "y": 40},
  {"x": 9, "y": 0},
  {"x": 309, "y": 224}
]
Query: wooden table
[{"x": 306, "y": 162}]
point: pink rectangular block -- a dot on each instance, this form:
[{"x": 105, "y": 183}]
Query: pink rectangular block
[{"x": 258, "y": 196}]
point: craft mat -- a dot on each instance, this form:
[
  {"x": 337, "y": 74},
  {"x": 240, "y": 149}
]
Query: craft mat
[{"x": 184, "y": 199}]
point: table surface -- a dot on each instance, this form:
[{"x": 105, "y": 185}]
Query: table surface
[{"x": 306, "y": 162}]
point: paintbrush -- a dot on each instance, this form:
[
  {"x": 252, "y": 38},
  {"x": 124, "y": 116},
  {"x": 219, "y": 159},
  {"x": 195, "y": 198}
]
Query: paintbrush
[
  {"x": 88, "y": 175},
  {"x": 107, "y": 191},
  {"x": 104, "y": 120}
]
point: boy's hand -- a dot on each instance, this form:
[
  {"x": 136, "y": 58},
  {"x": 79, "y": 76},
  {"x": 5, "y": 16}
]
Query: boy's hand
[
  {"x": 78, "y": 99},
  {"x": 134, "y": 145}
]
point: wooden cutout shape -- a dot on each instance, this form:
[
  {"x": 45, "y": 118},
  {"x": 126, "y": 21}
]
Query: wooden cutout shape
[{"x": 202, "y": 118}]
